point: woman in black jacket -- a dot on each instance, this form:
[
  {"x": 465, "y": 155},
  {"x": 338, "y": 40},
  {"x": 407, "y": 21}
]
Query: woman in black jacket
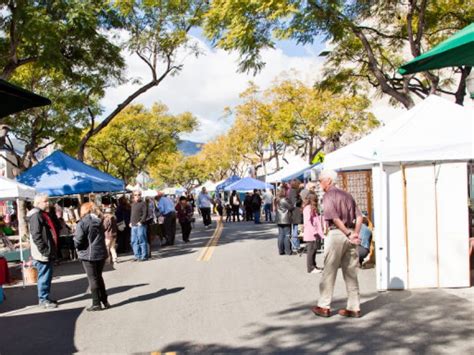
[{"x": 91, "y": 250}]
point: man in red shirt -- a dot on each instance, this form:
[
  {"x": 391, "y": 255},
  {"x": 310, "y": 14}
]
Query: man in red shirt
[{"x": 344, "y": 220}]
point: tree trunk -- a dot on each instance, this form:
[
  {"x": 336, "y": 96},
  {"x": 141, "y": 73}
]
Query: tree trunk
[{"x": 461, "y": 91}]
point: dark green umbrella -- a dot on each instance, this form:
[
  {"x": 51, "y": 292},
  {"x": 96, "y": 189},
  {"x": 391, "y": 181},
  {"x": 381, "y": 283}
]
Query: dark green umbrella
[
  {"x": 456, "y": 51},
  {"x": 14, "y": 99}
]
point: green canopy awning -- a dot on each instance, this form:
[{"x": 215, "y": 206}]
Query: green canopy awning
[
  {"x": 456, "y": 51},
  {"x": 15, "y": 99}
]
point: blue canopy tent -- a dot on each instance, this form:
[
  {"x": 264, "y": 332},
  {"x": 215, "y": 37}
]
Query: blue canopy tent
[
  {"x": 247, "y": 184},
  {"x": 227, "y": 182},
  {"x": 303, "y": 173},
  {"x": 59, "y": 175}
]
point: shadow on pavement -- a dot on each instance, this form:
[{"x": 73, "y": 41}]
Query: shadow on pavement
[
  {"x": 110, "y": 291},
  {"x": 417, "y": 322},
  {"x": 149, "y": 296},
  {"x": 50, "y": 332},
  {"x": 18, "y": 297}
]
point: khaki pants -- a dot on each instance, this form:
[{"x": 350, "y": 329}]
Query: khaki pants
[
  {"x": 111, "y": 249},
  {"x": 339, "y": 252}
]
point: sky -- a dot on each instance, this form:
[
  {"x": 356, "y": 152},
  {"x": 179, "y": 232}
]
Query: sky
[{"x": 209, "y": 83}]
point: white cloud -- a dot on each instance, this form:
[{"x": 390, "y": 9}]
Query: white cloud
[{"x": 209, "y": 83}]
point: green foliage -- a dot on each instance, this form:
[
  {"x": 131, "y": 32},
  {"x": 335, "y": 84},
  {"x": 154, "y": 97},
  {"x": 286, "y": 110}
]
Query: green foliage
[
  {"x": 138, "y": 139},
  {"x": 370, "y": 38}
]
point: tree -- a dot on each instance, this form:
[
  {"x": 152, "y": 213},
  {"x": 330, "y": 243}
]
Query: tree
[
  {"x": 314, "y": 120},
  {"x": 368, "y": 37},
  {"x": 65, "y": 36},
  {"x": 137, "y": 139},
  {"x": 158, "y": 30},
  {"x": 57, "y": 124}
]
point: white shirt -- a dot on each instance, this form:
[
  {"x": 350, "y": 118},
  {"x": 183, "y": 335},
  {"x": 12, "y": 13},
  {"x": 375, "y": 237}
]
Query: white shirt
[{"x": 267, "y": 198}]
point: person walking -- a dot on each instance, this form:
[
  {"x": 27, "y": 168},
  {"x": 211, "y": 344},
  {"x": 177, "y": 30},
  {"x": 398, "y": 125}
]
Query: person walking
[
  {"x": 184, "y": 212},
  {"x": 89, "y": 241},
  {"x": 137, "y": 224},
  {"x": 204, "y": 205},
  {"x": 234, "y": 201},
  {"x": 344, "y": 220},
  {"x": 43, "y": 249},
  {"x": 256, "y": 206},
  {"x": 167, "y": 211},
  {"x": 312, "y": 231},
  {"x": 110, "y": 231},
  {"x": 248, "y": 207},
  {"x": 283, "y": 209},
  {"x": 123, "y": 214},
  {"x": 219, "y": 205},
  {"x": 297, "y": 215},
  {"x": 267, "y": 205}
]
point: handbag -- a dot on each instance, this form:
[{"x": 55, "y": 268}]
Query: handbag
[{"x": 121, "y": 226}]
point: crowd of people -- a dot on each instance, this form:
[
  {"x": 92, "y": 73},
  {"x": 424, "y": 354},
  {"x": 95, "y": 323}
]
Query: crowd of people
[{"x": 100, "y": 232}]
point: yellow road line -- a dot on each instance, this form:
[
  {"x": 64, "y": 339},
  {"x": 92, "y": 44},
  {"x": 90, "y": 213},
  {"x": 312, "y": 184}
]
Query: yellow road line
[
  {"x": 159, "y": 353},
  {"x": 211, "y": 245}
]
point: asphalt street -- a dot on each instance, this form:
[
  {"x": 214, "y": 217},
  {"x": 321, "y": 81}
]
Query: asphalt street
[{"x": 229, "y": 291}]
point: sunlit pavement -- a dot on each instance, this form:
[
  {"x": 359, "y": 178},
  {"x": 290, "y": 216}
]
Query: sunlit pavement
[{"x": 230, "y": 292}]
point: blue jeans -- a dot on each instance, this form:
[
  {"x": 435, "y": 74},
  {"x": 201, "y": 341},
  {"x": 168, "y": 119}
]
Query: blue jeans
[
  {"x": 45, "y": 276},
  {"x": 139, "y": 242},
  {"x": 268, "y": 212},
  {"x": 256, "y": 216},
  {"x": 284, "y": 246},
  {"x": 295, "y": 241}
]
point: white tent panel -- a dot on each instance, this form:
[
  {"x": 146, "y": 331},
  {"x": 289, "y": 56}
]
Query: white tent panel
[
  {"x": 453, "y": 225},
  {"x": 397, "y": 258},
  {"x": 421, "y": 211}
]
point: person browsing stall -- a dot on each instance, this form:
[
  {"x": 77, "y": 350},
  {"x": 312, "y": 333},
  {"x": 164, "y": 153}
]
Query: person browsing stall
[{"x": 344, "y": 220}]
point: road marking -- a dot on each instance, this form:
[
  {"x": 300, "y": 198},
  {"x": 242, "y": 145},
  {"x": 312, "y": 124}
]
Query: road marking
[
  {"x": 212, "y": 243},
  {"x": 159, "y": 353}
]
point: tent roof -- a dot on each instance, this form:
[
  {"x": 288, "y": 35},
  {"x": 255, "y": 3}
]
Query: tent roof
[
  {"x": 10, "y": 189},
  {"x": 227, "y": 182},
  {"x": 59, "y": 174},
  {"x": 295, "y": 164},
  {"x": 434, "y": 130},
  {"x": 301, "y": 174},
  {"x": 247, "y": 184},
  {"x": 15, "y": 99},
  {"x": 456, "y": 51}
]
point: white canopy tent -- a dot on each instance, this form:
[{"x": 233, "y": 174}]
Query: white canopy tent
[
  {"x": 209, "y": 185},
  {"x": 435, "y": 129},
  {"x": 420, "y": 177},
  {"x": 295, "y": 164},
  {"x": 12, "y": 190}
]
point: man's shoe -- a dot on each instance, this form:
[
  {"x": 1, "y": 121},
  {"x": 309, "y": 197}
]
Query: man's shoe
[
  {"x": 107, "y": 305},
  {"x": 52, "y": 301},
  {"x": 94, "y": 308},
  {"x": 347, "y": 313},
  {"x": 316, "y": 270},
  {"x": 47, "y": 304},
  {"x": 321, "y": 312}
]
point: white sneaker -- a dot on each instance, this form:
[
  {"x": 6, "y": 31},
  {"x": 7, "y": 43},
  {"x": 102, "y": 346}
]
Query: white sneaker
[{"x": 316, "y": 271}]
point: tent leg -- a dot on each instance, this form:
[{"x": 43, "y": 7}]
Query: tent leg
[
  {"x": 405, "y": 223},
  {"x": 21, "y": 254}
]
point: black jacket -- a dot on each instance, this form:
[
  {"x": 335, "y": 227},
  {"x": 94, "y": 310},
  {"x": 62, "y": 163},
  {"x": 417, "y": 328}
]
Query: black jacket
[
  {"x": 90, "y": 239},
  {"x": 41, "y": 238}
]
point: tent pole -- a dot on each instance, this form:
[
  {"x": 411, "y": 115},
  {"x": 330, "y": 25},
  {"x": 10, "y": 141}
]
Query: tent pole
[
  {"x": 21, "y": 251},
  {"x": 436, "y": 219},
  {"x": 405, "y": 223}
]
